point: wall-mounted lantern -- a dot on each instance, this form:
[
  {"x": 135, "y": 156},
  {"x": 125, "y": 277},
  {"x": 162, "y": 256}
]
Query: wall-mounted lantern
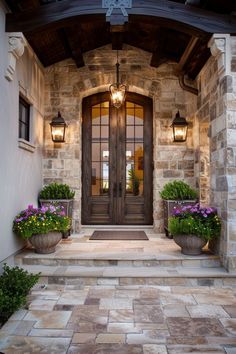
[
  {"x": 180, "y": 128},
  {"x": 58, "y": 129}
]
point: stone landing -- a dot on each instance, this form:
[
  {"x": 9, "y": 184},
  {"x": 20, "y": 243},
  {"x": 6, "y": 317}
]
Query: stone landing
[
  {"x": 154, "y": 262},
  {"x": 133, "y": 297}
]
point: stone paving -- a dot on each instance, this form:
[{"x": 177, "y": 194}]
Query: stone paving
[{"x": 123, "y": 320}]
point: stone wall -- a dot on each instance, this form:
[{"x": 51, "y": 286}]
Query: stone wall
[
  {"x": 66, "y": 85},
  {"x": 216, "y": 105}
]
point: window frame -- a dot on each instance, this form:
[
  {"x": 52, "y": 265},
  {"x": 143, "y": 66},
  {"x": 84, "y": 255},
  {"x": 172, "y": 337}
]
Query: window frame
[{"x": 27, "y": 125}]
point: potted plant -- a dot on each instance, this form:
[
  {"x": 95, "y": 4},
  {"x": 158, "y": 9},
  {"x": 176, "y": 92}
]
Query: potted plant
[
  {"x": 58, "y": 194},
  {"x": 43, "y": 226},
  {"x": 174, "y": 194},
  {"x": 134, "y": 181},
  {"x": 193, "y": 226}
]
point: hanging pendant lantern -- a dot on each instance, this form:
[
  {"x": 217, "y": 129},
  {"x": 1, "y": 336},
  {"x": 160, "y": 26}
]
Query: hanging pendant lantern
[
  {"x": 180, "y": 128},
  {"x": 58, "y": 129},
  {"x": 117, "y": 90}
]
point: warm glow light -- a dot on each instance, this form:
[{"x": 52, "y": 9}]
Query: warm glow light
[
  {"x": 105, "y": 154},
  {"x": 57, "y": 133},
  {"x": 180, "y": 128},
  {"x": 58, "y": 129},
  {"x": 117, "y": 90},
  {"x": 180, "y": 133},
  {"x": 117, "y": 95}
]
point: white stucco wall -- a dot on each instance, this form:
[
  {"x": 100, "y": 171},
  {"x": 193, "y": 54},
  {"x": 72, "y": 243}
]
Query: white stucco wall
[{"x": 20, "y": 170}]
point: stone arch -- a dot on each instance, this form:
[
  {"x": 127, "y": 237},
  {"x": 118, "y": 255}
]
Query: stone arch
[{"x": 66, "y": 86}]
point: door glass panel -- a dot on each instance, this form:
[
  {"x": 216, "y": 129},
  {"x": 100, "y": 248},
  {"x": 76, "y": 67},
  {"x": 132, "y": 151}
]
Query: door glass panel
[
  {"x": 95, "y": 132},
  {"x": 96, "y": 178},
  {"x": 134, "y": 149},
  {"x": 139, "y": 161},
  {"x": 96, "y": 115},
  {"x": 138, "y": 115},
  {"x": 129, "y": 151},
  {"x": 105, "y": 177},
  {"x": 104, "y": 132},
  {"x": 105, "y": 151},
  {"x": 138, "y": 132},
  {"x": 129, "y": 180},
  {"x": 130, "y": 132},
  {"x": 95, "y": 152},
  {"x": 100, "y": 149},
  {"x": 105, "y": 118}
]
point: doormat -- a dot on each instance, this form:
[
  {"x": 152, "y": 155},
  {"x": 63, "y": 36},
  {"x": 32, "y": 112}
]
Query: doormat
[{"x": 119, "y": 235}]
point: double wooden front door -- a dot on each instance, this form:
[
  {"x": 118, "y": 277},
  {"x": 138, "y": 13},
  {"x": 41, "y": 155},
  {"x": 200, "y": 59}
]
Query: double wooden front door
[{"x": 117, "y": 161}]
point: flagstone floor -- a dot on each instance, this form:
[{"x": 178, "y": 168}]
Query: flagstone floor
[{"x": 123, "y": 320}]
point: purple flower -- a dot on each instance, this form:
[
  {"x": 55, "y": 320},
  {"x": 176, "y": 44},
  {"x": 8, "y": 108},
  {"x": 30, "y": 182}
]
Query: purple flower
[
  {"x": 44, "y": 209},
  {"x": 52, "y": 208}
]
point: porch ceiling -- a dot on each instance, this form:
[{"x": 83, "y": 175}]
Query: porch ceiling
[{"x": 176, "y": 30}]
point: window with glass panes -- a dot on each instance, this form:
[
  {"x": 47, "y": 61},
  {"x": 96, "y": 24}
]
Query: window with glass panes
[{"x": 24, "y": 119}]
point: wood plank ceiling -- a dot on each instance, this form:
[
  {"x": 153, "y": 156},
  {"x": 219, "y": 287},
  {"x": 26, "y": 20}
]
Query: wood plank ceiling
[{"x": 55, "y": 33}]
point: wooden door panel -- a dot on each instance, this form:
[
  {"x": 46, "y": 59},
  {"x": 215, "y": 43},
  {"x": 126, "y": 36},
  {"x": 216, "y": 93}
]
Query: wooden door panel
[
  {"x": 97, "y": 202},
  {"x": 116, "y": 201}
]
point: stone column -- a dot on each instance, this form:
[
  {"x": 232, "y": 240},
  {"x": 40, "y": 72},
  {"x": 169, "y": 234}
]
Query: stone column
[{"x": 223, "y": 147}]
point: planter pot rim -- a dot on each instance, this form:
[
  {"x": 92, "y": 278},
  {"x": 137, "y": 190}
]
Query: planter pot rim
[
  {"x": 56, "y": 200},
  {"x": 181, "y": 200}
]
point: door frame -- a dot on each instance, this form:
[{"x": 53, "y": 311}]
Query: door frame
[{"x": 86, "y": 134}]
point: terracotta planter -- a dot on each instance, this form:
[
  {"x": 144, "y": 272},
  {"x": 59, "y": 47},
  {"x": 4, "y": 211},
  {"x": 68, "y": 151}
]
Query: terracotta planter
[
  {"x": 68, "y": 208},
  {"x": 45, "y": 243},
  {"x": 190, "y": 244},
  {"x": 169, "y": 205}
]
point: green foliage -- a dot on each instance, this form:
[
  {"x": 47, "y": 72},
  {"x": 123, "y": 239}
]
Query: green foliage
[
  {"x": 134, "y": 181},
  {"x": 178, "y": 190},
  {"x": 33, "y": 221},
  {"x": 15, "y": 284},
  {"x": 56, "y": 191},
  {"x": 194, "y": 220}
]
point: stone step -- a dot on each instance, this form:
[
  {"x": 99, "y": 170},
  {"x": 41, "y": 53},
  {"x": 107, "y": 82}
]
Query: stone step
[
  {"x": 78, "y": 275},
  {"x": 117, "y": 260}
]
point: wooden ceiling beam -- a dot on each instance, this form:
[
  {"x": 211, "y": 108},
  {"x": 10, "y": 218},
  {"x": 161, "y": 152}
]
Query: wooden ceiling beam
[
  {"x": 117, "y": 40},
  {"x": 193, "y": 41},
  {"x": 70, "y": 48},
  {"x": 158, "y": 56},
  {"x": 187, "y": 17}
]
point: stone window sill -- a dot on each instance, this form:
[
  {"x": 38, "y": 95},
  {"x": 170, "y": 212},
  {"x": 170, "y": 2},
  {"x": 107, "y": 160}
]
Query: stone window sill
[{"x": 26, "y": 145}]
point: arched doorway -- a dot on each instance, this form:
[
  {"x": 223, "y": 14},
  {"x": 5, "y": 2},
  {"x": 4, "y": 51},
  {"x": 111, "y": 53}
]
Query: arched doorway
[{"x": 117, "y": 161}]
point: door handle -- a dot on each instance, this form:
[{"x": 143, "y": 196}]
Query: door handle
[{"x": 120, "y": 189}]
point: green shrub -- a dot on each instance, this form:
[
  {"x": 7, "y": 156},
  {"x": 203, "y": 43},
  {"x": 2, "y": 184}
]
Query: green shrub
[
  {"x": 56, "y": 191},
  {"x": 178, "y": 190},
  {"x": 15, "y": 284}
]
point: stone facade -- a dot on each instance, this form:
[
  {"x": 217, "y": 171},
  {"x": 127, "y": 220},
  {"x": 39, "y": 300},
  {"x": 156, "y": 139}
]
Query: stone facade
[
  {"x": 66, "y": 86},
  {"x": 206, "y": 161},
  {"x": 217, "y": 108}
]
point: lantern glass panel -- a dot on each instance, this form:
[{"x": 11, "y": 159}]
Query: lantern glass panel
[
  {"x": 180, "y": 132},
  {"x": 58, "y": 133}
]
